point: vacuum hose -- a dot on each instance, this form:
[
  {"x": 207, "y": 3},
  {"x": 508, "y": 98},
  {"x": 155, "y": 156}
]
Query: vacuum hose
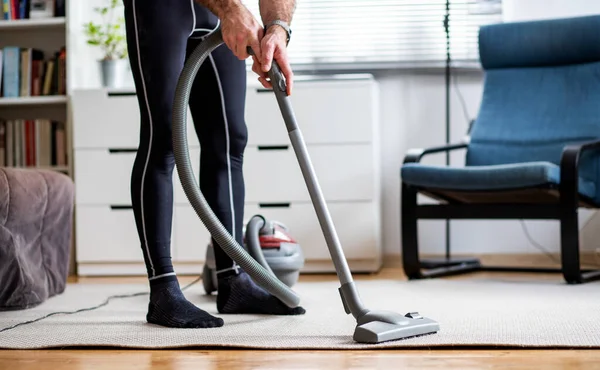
[
  {"x": 253, "y": 228},
  {"x": 224, "y": 239}
]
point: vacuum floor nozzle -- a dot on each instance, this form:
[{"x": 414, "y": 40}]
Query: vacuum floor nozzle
[{"x": 384, "y": 326}]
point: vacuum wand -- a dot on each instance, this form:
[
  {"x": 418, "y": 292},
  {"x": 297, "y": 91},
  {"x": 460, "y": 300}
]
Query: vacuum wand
[
  {"x": 350, "y": 298},
  {"x": 318, "y": 200}
]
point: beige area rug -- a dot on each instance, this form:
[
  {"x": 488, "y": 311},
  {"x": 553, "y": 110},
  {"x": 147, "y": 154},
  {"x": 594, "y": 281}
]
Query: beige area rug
[{"x": 470, "y": 312}]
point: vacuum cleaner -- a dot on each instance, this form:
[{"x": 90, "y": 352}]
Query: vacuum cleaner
[
  {"x": 372, "y": 326},
  {"x": 271, "y": 244}
]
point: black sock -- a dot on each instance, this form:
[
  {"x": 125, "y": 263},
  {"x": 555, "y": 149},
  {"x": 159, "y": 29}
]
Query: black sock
[
  {"x": 238, "y": 293},
  {"x": 168, "y": 307}
]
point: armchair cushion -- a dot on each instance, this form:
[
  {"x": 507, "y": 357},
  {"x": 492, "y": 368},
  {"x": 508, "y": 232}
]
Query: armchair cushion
[{"x": 489, "y": 178}]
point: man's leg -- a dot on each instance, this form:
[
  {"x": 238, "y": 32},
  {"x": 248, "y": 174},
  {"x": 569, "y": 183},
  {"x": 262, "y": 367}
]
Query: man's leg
[
  {"x": 217, "y": 103},
  {"x": 157, "y": 32}
]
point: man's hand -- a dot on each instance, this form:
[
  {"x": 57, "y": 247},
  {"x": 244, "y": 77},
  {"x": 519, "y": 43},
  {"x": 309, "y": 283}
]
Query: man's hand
[
  {"x": 239, "y": 27},
  {"x": 273, "y": 47},
  {"x": 241, "y": 30}
]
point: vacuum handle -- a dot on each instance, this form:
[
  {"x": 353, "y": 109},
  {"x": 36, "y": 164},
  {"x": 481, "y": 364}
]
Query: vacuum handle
[
  {"x": 275, "y": 74},
  {"x": 277, "y": 78}
]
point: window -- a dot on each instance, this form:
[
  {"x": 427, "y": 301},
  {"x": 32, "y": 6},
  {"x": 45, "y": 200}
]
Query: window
[{"x": 341, "y": 34}]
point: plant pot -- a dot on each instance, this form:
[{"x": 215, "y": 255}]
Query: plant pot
[{"x": 114, "y": 72}]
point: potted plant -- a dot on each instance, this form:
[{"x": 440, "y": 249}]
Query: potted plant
[{"x": 109, "y": 36}]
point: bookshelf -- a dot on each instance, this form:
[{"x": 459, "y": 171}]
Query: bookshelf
[
  {"x": 32, "y": 23},
  {"x": 34, "y": 105},
  {"x": 33, "y": 100}
]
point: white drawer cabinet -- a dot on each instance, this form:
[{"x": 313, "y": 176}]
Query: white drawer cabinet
[
  {"x": 102, "y": 176},
  {"x": 338, "y": 118},
  {"x": 106, "y": 234},
  {"x": 274, "y": 175},
  {"x": 355, "y": 223},
  {"x": 327, "y": 112},
  {"x": 110, "y": 120},
  {"x": 104, "y": 120},
  {"x": 190, "y": 237}
]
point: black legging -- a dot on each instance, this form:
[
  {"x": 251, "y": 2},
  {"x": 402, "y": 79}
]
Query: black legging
[{"x": 160, "y": 35}]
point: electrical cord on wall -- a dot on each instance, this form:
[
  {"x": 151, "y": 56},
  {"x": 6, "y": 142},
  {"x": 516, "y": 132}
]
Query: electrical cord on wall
[
  {"x": 117, "y": 296},
  {"x": 461, "y": 98},
  {"x": 532, "y": 241},
  {"x": 547, "y": 253},
  {"x": 538, "y": 245}
]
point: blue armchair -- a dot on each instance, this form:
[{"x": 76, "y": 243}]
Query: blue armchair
[{"x": 532, "y": 152}]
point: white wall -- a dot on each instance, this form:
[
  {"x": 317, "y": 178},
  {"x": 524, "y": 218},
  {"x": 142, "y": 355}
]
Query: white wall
[
  {"x": 412, "y": 115},
  {"x": 84, "y": 70},
  {"x": 522, "y": 10}
]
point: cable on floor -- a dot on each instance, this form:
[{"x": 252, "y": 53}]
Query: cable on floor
[{"x": 117, "y": 296}]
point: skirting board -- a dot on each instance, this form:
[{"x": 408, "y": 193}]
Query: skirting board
[
  {"x": 357, "y": 266},
  {"x": 589, "y": 259}
]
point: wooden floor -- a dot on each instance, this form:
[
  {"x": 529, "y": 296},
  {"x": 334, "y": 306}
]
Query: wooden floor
[
  {"x": 280, "y": 360},
  {"x": 463, "y": 359}
]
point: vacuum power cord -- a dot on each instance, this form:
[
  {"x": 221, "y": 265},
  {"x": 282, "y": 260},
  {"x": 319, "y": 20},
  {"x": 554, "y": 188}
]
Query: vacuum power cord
[{"x": 117, "y": 296}]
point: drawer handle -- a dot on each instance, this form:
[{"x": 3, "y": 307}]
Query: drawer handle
[
  {"x": 274, "y": 205},
  {"x": 121, "y": 150},
  {"x": 115, "y": 207},
  {"x": 263, "y": 90},
  {"x": 273, "y": 147},
  {"x": 122, "y": 93}
]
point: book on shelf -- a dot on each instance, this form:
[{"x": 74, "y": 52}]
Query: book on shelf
[
  {"x": 28, "y": 72},
  {"x": 32, "y": 9},
  {"x": 32, "y": 143}
]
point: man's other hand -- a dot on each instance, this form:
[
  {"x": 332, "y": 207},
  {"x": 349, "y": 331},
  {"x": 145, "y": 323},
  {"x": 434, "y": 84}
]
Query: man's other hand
[{"x": 273, "y": 47}]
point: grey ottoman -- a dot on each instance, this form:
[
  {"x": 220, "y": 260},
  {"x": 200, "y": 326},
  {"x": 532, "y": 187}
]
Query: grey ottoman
[{"x": 36, "y": 208}]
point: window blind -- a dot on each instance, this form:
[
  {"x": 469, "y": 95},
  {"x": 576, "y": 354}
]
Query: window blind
[{"x": 382, "y": 33}]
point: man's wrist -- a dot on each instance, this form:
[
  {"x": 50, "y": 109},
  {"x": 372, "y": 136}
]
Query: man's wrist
[
  {"x": 280, "y": 28},
  {"x": 279, "y": 32},
  {"x": 273, "y": 10}
]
